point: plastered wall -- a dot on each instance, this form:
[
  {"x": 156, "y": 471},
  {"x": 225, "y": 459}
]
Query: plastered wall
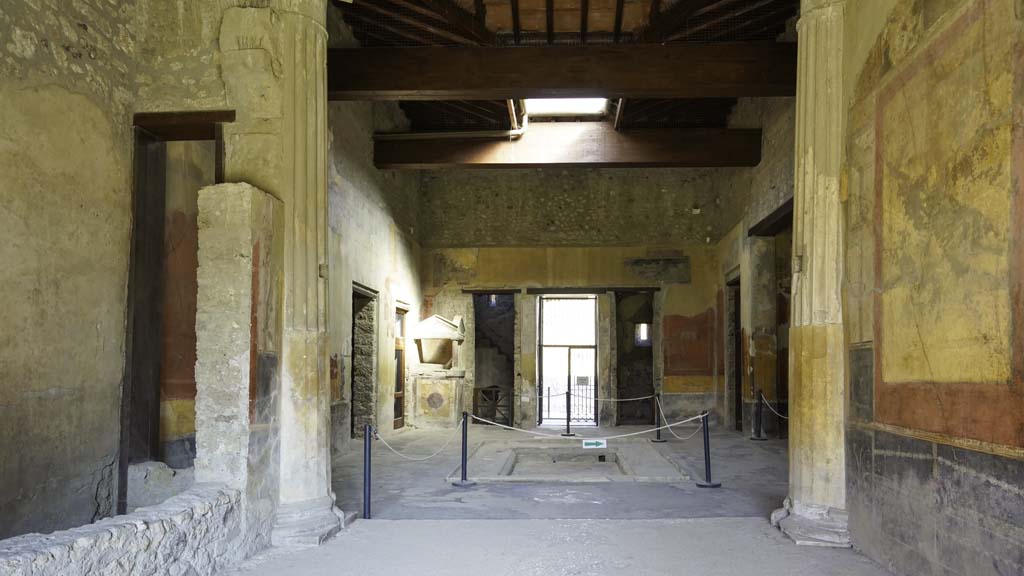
[
  {"x": 65, "y": 210},
  {"x": 932, "y": 198},
  {"x": 372, "y": 241}
]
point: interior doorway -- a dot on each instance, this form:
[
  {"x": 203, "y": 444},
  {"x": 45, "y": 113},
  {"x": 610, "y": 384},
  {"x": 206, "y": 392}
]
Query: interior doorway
[
  {"x": 363, "y": 365},
  {"x": 494, "y": 354},
  {"x": 568, "y": 360},
  {"x": 634, "y": 317},
  {"x": 734, "y": 351},
  {"x": 399, "y": 418},
  {"x": 175, "y": 156}
]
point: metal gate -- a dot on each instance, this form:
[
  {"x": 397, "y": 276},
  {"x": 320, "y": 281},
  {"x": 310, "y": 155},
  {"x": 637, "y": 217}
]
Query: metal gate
[{"x": 568, "y": 353}]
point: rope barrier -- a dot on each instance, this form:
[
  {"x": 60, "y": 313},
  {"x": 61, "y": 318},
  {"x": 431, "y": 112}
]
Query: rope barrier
[
  {"x": 612, "y": 399},
  {"x": 769, "y": 404},
  {"x": 543, "y": 434},
  {"x": 417, "y": 458},
  {"x": 534, "y": 396},
  {"x": 486, "y": 421},
  {"x": 673, "y": 432}
]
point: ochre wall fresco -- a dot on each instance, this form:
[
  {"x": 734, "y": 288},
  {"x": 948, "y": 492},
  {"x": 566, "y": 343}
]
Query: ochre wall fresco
[{"x": 946, "y": 272}]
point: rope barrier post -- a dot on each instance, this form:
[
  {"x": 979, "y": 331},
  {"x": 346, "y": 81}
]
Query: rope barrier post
[
  {"x": 568, "y": 412},
  {"x": 463, "y": 481},
  {"x": 367, "y": 455},
  {"x": 757, "y": 431},
  {"x": 657, "y": 418},
  {"x": 707, "y": 483}
]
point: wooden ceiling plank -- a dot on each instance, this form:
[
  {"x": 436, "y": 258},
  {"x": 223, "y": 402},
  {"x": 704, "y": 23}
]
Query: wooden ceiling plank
[
  {"x": 385, "y": 10},
  {"x": 670, "y": 20},
  {"x": 564, "y": 144},
  {"x": 752, "y": 25},
  {"x": 445, "y": 11},
  {"x": 406, "y": 35},
  {"x": 689, "y": 32},
  {"x": 725, "y": 70}
]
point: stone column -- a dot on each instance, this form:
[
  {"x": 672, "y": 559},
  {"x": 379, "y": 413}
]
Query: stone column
[
  {"x": 274, "y": 68},
  {"x": 817, "y": 483}
]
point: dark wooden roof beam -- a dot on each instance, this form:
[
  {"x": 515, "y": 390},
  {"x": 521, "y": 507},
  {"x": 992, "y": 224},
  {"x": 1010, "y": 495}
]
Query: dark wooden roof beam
[
  {"x": 565, "y": 144},
  {"x": 686, "y": 70}
]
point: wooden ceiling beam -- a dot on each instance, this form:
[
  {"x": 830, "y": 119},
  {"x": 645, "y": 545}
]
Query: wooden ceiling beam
[
  {"x": 516, "y": 28},
  {"x": 566, "y": 144},
  {"x": 619, "y": 8},
  {"x": 727, "y": 70},
  {"x": 584, "y": 20},
  {"x": 549, "y": 14}
]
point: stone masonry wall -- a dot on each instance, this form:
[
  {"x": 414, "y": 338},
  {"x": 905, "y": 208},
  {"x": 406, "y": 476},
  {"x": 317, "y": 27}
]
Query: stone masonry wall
[
  {"x": 364, "y": 359},
  {"x": 194, "y": 533}
]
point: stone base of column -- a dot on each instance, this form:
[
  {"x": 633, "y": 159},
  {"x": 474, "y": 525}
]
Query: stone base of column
[
  {"x": 307, "y": 523},
  {"x": 811, "y": 525}
]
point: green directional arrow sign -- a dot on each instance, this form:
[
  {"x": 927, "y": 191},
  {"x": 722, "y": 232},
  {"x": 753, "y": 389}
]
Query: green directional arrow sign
[{"x": 595, "y": 443}]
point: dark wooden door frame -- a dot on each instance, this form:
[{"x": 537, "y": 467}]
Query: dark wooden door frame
[
  {"x": 140, "y": 393},
  {"x": 140, "y": 386}
]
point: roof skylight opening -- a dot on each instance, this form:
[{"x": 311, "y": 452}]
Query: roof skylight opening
[{"x": 561, "y": 107}]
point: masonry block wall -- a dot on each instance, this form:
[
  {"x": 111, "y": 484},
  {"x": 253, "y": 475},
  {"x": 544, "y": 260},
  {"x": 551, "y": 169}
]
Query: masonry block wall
[{"x": 934, "y": 210}]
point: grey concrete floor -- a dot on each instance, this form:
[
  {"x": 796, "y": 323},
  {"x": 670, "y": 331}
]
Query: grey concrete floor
[
  {"x": 421, "y": 524},
  {"x": 708, "y": 546},
  {"x": 753, "y": 477}
]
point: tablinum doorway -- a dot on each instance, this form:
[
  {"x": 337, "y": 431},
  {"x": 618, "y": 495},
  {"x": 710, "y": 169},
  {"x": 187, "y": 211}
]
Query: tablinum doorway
[{"x": 568, "y": 359}]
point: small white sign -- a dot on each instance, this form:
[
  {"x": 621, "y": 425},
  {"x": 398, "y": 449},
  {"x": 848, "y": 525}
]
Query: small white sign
[{"x": 591, "y": 443}]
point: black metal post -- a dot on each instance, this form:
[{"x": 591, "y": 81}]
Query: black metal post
[
  {"x": 757, "y": 433},
  {"x": 463, "y": 481},
  {"x": 367, "y": 468},
  {"x": 568, "y": 410},
  {"x": 657, "y": 418},
  {"x": 707, "y": 483}
]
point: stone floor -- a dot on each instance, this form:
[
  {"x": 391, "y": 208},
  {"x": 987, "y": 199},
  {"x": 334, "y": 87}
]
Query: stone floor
[
  {"x": 709, "y": 547},
  {"x": 753, "y": 476},
  {"x": 422, "y": 524}
]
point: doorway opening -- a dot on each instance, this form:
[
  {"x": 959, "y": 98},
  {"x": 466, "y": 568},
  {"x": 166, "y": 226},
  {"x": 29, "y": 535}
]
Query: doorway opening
[
  {"x": 734, "y": 351},
  {"x": 634, "y": 317},
  {"x": 568, "y": 360},
  {"x": 363, "y": 364},
  {"x": 399, "y": 418},
  {"x": 176, "y": 154},
  {"x": 494, "y": 354}
]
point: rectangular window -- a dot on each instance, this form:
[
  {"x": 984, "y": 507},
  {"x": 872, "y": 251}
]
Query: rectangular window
[{"x": 643, "y": 334}]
